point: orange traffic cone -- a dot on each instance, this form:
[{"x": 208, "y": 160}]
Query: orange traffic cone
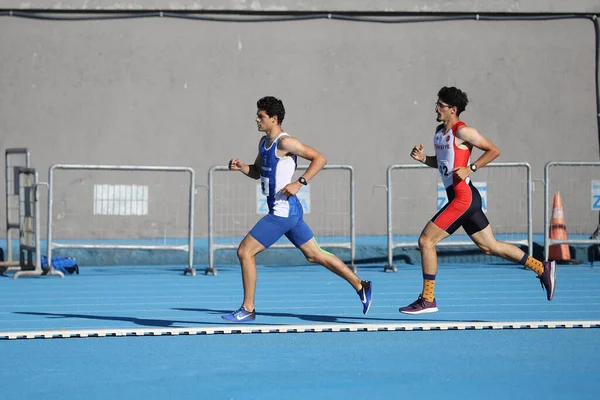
[{"x": 559, "y": 252}]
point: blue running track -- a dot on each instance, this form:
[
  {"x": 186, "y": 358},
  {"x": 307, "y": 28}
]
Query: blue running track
[{"x": 152, "y": 333}]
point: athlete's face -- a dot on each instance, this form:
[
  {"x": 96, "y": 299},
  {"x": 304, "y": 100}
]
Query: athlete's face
[
  {"x": 263, "y": 122},
  {"x": 443, "y": 111}
]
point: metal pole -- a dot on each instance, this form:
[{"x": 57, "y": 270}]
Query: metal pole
[
  {"x": 389, "y": 215},
  {"x": 210, "y": 268},
  {"x": 352, "y": 220}
]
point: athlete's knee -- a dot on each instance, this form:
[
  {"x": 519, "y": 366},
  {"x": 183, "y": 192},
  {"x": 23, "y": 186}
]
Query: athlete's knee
[
  {"x": 243, "y": 252},
  {"x": 425, "y": 242},
  {"x": 486, "y": 249},
  {"x": 314, "y": 257},
  {"x": 490, "y": 248}
]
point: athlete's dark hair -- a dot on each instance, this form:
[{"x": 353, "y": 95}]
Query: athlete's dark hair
[
  {"x": 272, "y": 106},
  {"x": 454, "y": 97}
]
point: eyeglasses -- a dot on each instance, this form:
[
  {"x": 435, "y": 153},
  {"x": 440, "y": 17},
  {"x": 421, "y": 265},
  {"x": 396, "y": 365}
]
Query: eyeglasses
[{"x": 442, "y": 105}]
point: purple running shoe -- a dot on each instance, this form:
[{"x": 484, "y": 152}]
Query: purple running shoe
[
  {"x": 548, "y": 278},
  {"x": 420, "y": 306}
]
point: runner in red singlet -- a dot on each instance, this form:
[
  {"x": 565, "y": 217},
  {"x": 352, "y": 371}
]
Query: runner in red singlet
[{"x": 453, "y": 142}]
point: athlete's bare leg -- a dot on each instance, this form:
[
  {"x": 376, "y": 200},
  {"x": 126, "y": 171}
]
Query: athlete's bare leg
[
  {"x": 315, "y": 254},
  {"x": 486, "y": 241},
  {"x": 430, "y": 237},
  {"x": 246, "y": 253}
]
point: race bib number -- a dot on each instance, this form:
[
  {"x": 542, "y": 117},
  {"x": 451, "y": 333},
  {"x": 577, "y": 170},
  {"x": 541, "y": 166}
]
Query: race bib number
[
  {"x": 444, "y": 168},
  {"x": 264, "y": 185}
]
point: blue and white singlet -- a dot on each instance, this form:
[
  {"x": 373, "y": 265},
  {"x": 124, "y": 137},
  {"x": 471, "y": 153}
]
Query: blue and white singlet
[{"x": 275, "y": 174}]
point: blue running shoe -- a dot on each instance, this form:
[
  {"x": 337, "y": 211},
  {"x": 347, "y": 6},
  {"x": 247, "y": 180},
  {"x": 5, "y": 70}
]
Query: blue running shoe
[
  {"x": 240, "y": 315},
  {"x": 365, "y": 295}
]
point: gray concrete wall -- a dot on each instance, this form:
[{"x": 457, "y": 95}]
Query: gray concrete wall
[{"x": 162, "y": 91}]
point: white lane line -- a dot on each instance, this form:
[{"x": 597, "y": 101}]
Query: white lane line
[{"x": 312, "y": 328}]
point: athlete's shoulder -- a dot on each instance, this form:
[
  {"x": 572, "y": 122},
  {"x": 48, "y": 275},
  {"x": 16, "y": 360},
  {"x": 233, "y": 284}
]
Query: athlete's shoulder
[
  {"x": 459, "y": 126},
  {"x": 283, "y": 138},
  {"x": 439, "y": 127}
]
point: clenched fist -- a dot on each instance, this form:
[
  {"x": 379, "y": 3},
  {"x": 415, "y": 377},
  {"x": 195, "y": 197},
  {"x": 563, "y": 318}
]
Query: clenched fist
[{"x": 236, "y": 164}]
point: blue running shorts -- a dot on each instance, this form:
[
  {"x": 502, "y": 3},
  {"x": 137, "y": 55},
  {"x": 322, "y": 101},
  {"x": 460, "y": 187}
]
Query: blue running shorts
[{"x": 271, "y": 227}]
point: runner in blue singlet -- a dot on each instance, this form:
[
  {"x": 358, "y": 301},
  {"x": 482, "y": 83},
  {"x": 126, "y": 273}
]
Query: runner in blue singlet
[{"x": 275, "y": 165}]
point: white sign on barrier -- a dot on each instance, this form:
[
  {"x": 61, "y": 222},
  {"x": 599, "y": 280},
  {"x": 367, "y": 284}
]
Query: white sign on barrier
[
  {"x": 442, "y": 197},
  {"x": 120, "y": 199},
  {"x": 595, "y": 195},
  {"x": 261, "y": 201}
]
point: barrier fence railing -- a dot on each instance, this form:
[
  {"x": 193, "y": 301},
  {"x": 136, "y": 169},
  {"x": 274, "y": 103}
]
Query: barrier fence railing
[
  {"x": 579, "y": 185},
  {"x": 121, "y": 208},
  {"x": 235, "y": 204},
  {"x": 14, "y": 158},
  {"x": 29, "y": 226},
  {"x": 412, "y": 201}
]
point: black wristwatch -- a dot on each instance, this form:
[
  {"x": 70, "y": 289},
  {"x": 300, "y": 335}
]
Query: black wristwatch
[
  {"x": 473, "y": 167},
  {"x": 303, "y": 181}
]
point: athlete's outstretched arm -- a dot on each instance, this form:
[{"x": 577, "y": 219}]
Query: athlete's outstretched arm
[
  {"x": 290, "y": 145},
  {"x": 251, "y": 171},
  {"x": 418, "y": 154},
  {"x": 476, "y": 139}
]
